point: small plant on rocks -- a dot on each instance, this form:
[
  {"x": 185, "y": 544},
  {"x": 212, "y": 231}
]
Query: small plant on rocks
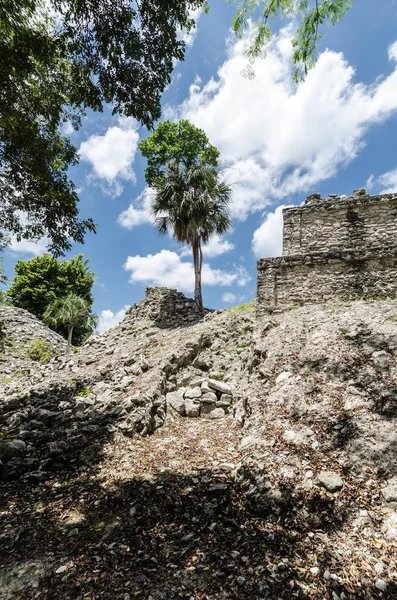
[
  {"x": 41, "y": 351},
  {"x": 84, "y": 392}
]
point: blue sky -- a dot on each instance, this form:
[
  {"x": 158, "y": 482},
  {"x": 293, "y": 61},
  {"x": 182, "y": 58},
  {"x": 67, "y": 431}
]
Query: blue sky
[{"x": 279, "y": 142}]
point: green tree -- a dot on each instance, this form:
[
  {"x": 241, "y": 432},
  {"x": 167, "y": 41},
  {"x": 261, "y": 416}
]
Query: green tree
[
  {"x": 70, "y": 311},
  {"x": 180, "y": 143},
  {"x": 42, "y": 280},
  {"x": 190, "y": 198},
  {"x": 52, "y": 70},
  {"x": 309, "y": 16}
]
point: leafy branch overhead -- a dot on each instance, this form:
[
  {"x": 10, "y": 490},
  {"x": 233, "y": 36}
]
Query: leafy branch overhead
[
  {"x": 309, "y": 16},
  {"x": 54, "y": 69}
]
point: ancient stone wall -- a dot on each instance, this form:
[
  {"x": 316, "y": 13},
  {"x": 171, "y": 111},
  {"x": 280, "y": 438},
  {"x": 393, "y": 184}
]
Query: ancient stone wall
[
  {"x": 333, "y": 223},
  {"x": 333, "y": 248},
  {"x": 297, "y": 280}
]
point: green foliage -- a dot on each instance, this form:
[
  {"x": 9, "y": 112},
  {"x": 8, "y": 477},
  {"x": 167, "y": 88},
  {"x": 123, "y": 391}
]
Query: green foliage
[
  {"x": 94, "y": 53},
  {"x": 41, "y": 351},
  {"x": 310, "y": 16},
  {"x": 40, "y": 281},
  {"x": 248, "y": 306},
  {"x": 84, "y": 392},
  {"x": 195, "y": 203},
  {"x": 180, "y": 144},
  {"x": 70, "y": 311}
]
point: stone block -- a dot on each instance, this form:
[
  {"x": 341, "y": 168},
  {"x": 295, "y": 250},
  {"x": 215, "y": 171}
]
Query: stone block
[
  {"x": 219, "y": 386},
  {"x": 192, "y": 408},
  {"x": 193, "y": 393},
  {"x": 208, "y": 398},
  {"x": 176, "y": 401},
  {"x": 217, "y": 413}
]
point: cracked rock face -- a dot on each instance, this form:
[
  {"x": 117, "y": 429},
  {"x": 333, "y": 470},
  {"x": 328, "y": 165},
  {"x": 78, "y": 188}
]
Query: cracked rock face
[{"x": 160, "y": 363}]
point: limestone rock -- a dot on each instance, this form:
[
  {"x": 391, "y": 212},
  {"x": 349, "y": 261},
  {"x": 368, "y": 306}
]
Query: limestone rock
[
  {"x": 219, "y": 386},
  {"x": 217, "y": 413},
  {"x": 208, "y": 398},
  {"x": 389, "y": 493},
  {"x": 302, "y": 437},
  {"x": 284, "y": 376},
  {"x": 381, "y": 585},
  {"x": 330, "y": 480},
  {"x": 205, "y": 388},
  {"x": 193, "y": 393},
  {"x": 11, "y": 449},
  {"x": 176, "y": 401},
  {"x": 225, "y": 401},
  {"x": 192, "y": 408}
]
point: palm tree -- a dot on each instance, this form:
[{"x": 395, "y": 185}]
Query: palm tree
[
  {"x": 69, "y": 311},
  {"x": 194, "y": 203}
]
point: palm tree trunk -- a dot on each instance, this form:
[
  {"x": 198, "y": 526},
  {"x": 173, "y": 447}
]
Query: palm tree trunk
[
  {"x": 197, "y": 264},
  {"x": 70, "y": 333}
]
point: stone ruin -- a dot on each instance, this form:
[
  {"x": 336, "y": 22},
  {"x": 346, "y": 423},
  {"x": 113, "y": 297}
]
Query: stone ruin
[
  {"x": 165, "y": 308},
  {"x": 334, "y": 248}
]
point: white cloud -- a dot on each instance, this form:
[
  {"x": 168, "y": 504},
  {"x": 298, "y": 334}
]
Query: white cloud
[
  {"x": 112, "y": 155},
  {"x": 108, "y": 319},
  {"x": 68, "y": 128},
  {"x": 267, "y": 240},
  {"x": 216, "y": 246},
  {"x": 229, "y": 298},
  {"x": 139, "y": 212},
  {"x": 189, "y": 38},
  {"x": 167, "y": 269},
  {"x": 385, "y": 183},
  {"x": 277, "y": 138},
  {"x": 26, "y": 246},
  {"x": 36, "y": 248}
]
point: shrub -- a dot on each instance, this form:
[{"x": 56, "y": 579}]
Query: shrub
[{"x": 41, "y": 351}]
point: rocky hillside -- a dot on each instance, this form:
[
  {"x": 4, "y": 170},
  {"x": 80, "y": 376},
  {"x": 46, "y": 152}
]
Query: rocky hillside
[
  {"x": 224, "y": 457},
  {"x": 26, "y": 349}
]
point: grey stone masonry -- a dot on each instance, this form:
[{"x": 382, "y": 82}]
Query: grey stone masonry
[{"x": 333, "y": 248}]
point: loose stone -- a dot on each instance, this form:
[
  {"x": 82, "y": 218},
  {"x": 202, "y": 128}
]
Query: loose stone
[
  {"x": 219, "y": 386},
  {"x": 331, "y": 481}
]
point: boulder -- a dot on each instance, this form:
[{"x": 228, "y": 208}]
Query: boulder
[
  {"x": 11, "y": 449},
  {"x": 192, "y": 408},
  {"x": 330, "y": 480},
  {"x": 176, "y": 401},
  {"x": 217, "y": 413}
]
